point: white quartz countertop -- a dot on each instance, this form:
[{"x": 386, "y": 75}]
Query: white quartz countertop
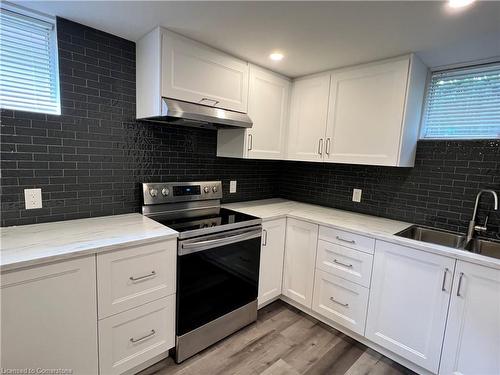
[
  {"x": 376, "y": 227},
  {"x": 27, "y": 245}
]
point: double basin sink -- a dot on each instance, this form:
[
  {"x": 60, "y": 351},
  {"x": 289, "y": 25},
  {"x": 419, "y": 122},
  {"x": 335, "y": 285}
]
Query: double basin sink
[{"x": 456, "y": 240}]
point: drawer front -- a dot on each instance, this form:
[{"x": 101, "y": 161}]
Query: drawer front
[
  {"x": 135, "y": 275},
  {"x": 341, "y": 301},
  {"x": 128, "y": 339},
  {"x": 352, "y": 265},
  {"x": 348, "y": 239}
]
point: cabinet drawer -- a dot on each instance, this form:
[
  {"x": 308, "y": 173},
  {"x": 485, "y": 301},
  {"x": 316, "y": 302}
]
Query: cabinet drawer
[
  {"x": 135, "y": 275},
  {"x": 341, "y": 261},
  {"x": 341, "y": 301},
  {"x": 344, "y": 238},
  {"x": 130, "y": 338}
]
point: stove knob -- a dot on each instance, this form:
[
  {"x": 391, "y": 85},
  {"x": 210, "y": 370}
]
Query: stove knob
[
  {"x": 165, "y": 191},
  {"x": 153, "y": 192},
  {"x": 214, "y": 189},
  {"x": 206, "y": 189}
]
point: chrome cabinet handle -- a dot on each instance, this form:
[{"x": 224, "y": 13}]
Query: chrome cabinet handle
[
  {"x": 443, "y": 286},
  {"x": 339, "y": 303},
  {"x": 264, "y": 242},
  {"x": 250, "y": 142},
  {"x": 152, "y": 274},
  {"x": 215, "y": 102},
  {"x": 344, "y": 240},
  {"x": 320, "y": 146},
  {"x": 460, "y": 284},
  {"x": 152, "y": 333},
  {"x": 342, "y": 264},
  {"x": 327, "y": 148}
]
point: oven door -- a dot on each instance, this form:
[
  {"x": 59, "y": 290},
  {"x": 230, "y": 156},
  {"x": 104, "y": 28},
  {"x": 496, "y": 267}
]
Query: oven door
[{"x": 216, "y": 274}]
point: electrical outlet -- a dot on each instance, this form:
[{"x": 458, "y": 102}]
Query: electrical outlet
[
  {"x": 32, "y": 198},
  {"x": 232, "y": 186},
  {"x": 356, "y": 195}
]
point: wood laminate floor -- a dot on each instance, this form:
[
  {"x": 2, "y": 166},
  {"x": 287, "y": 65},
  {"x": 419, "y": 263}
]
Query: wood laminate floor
[{"x": 284, "y": 341}]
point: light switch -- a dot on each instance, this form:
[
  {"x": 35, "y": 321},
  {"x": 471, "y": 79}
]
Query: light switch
[
  {"x": 356, "y": 195},
  {"x": 32, "y": 198},
  {"x": 232, "y": 186}
]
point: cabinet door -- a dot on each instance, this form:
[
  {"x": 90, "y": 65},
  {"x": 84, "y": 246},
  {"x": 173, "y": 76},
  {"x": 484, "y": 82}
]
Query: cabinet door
[
  {"x": 268, "y": 108},
  {"x": 196, "y": 73},
  {"x": 49, "y": 317},
  {"x": 308, "y": 115},
  {"x": 271, "y": 259},
  {"x": 472, "y": 341},
  {"x": 300, "y": 257},
  {"x": 366, "y": 113},
  {"x": 409, "y": 299}
]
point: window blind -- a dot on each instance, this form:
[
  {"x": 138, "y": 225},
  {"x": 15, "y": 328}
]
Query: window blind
[
  {"x": 463, "y": 104},
  {"x": 29, "y": 77}
]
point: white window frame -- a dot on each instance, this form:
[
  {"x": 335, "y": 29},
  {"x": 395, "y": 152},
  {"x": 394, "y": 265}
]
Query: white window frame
[
  {"x": 54, "y": 52},
  {"x": 468, "y": 65}
]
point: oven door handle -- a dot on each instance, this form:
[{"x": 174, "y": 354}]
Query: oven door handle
[{"x": 193, "y": 247}]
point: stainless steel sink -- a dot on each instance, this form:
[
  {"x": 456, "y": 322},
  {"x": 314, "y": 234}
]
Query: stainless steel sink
[
  {"x": 436, "y": 236},
  {"x": 484, "y": 247}
]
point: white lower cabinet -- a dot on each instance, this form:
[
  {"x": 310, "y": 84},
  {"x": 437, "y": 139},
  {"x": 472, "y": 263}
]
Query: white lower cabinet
[
  {"x": 340, "y": 300},
  {"x": 271, "y": 260},
  {"x": 300, "y": 259},
  {"x": 409, "y": 298},
  {"x": 131, "y": 338},
  {"x": 49, "y": 317},
  {"x": 472, "y": 340}
]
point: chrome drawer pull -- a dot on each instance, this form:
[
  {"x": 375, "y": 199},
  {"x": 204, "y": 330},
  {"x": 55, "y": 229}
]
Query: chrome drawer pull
[
  {"x": 152, "y": 333},
  {"x": 342, "y": 264},
  {"x": 460, "y": 284},
  {"x": 340, "y": 303},
  {"x": 344, "y": 240},
  {"x": 153, "y": 273},
  {"x": 264, "y": 242},
  {"x": 443, "y": 287}
]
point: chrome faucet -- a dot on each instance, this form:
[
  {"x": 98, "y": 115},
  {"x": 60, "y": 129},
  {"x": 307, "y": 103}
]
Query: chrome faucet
[{"x": 472, "y": 224}]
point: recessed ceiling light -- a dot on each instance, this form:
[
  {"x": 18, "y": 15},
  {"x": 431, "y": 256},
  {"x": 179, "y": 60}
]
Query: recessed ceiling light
[
  {"x": 459, "y": 3},
  {"x": 276, "y": 56}
]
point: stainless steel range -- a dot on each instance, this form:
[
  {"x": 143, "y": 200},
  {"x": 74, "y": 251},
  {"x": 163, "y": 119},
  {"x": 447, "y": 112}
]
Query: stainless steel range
[{"x": 218, "y": 257}]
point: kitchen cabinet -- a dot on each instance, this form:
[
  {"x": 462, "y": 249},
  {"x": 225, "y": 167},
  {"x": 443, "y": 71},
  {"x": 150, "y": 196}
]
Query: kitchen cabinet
[
  {"x": 308, "y": 118},
  {"x": 268, "y": 101},
  {"x": 271, "y": 260},
  {"x": 300, "y": 257},
  {"x": 472, "y": 340},
  {"x": 49, "y": 317},
  {"x": 374, "y": 113},
  {"x": 408, "y": 304},
  {"x": 172, "y": 66}
]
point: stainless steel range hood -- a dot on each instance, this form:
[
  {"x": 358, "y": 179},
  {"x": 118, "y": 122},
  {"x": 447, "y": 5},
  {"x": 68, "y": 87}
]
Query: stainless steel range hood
[{"x": 182, "y": 113}]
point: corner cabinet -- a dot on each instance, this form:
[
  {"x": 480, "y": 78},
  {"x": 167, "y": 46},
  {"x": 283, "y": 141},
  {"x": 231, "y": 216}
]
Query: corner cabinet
[
  {"x": 268, "y": 103},
  {"x": 172, "y": 66},
  {"x": 300, "y": 258},
  {"x": 472, "y": 341},
  {"x": 49, "y": 317},
  {"x": 271, "y": 260},
  {"x": 408, "y": 305}
]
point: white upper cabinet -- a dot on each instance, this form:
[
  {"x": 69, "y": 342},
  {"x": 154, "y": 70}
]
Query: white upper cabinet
[
  {"x": 172, "y": 66},
  {"x": 409, "y": 298},
  {"x": 369, "y": 115},
  {"x": 308, "y": 118},
  {"x": 472, "y": 341},
  {"x": 268, "y": 101}
]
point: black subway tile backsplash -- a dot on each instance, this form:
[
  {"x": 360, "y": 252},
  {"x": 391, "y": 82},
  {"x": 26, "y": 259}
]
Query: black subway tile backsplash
[{"x": 90, "y": 160}]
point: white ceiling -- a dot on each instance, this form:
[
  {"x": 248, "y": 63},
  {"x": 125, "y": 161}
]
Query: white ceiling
[{"x": 314, "y": 36}]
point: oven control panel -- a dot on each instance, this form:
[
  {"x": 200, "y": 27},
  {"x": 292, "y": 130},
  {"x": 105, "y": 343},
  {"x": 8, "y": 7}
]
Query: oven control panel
[{"x": 171, "y": 192}]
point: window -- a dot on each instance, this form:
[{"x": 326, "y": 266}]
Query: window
[
  {"x": 463, "y": 104},
  {"x": 29, "y": 76}
]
